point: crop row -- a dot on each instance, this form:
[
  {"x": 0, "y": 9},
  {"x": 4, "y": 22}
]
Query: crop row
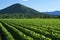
[
  {"x": 5, "y": 33},
  {"x": 48, "y": 34},
  {"x": 16, "y": 33},
  {"x": 31, "y": 33},
  {"x": 30, "y": 29}
]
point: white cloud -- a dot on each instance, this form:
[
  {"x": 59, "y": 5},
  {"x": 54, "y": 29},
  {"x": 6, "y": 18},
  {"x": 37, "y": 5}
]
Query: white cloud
[{"x": 25, "y": 0}]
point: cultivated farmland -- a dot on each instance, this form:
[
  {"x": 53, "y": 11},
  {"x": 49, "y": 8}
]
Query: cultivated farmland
[{"x": 29, "y": 29}]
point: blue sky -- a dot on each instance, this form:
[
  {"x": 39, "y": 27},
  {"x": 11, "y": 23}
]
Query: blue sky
[{"x": 39, "y": 5}]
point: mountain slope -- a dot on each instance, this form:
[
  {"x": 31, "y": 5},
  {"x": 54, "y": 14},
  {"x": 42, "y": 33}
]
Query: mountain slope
[
  {"x": 18, "y": 8},
  {"x": 20, "y": 11}
]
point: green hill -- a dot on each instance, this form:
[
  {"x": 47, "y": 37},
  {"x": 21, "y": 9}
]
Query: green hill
[{"x": 20, "y": 11}]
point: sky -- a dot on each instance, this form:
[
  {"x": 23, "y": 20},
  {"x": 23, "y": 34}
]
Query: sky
[{"x": 39, "y": 5}]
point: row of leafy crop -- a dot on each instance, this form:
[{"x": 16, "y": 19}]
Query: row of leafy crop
[
  {"x": 42, "y": 29},
  {"x": 45, "y": 28},
  {"x": 30, "y": 33},
  {"x": 51, "y": 35},
  {"x": 16, "y": 33},
  {"x": 5, "y": 34},
  {"x": 48, "y": 32},
  {"x": 50, "y": 24},
  {"x": 42, "y": 26},
  {"x": 39, "y": 22}
]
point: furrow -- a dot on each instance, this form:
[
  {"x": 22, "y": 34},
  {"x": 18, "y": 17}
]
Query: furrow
[
  {"x": 18, "y": 35},
  {"x": 33, "y": 34},
  {"x": 6, "y": 35}
]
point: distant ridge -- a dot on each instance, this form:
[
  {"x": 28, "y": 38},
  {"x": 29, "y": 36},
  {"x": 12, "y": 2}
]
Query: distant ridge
[
  {"x": 20, "y": 11},
  {"x": 53, "y": 13}
]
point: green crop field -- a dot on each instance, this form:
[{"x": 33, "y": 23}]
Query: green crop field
[{"x": 29, "y": 29}]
